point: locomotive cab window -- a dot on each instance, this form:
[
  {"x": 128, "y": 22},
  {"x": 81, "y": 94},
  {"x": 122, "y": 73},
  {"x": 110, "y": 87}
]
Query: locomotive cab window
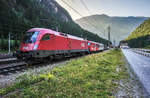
[
  {"x": 30, "y": 37},
  {"x": 46, "y": 37}
]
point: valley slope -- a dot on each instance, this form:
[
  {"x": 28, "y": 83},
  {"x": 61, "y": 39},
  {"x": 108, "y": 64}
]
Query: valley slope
[
  {"x": 120, "y": 26},
  {"x": 140, "y": 37}
]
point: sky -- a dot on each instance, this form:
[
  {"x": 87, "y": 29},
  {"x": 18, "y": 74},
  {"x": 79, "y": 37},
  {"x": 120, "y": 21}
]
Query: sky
[{"x": 109, "y": 7}]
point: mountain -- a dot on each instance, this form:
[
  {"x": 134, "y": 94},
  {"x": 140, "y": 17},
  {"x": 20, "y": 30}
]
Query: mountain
[
  {"x": 17, "y": 16},
  {"x": 140, "y": 37},
  {"x": 120, "y": 27},
  {"x": 32, "y": 12}
]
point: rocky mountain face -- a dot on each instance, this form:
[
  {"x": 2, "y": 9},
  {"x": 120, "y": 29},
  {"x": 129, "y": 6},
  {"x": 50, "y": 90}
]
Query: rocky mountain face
[
  {"x": 53, "y": 7},
  {"x": 32, "y": 13},
  {"x": 49, "y": 6},
  {"x": 120, "y": 27}
]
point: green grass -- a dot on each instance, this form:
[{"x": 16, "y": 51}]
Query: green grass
[
  {"x": 147, "y": 47},
  {"x": 88, "y": 77}
]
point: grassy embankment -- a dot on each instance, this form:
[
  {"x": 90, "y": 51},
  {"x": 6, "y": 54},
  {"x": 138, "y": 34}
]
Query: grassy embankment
[
  {"x": 147, "y": 47},
  {"x": 90, "y": 76}
]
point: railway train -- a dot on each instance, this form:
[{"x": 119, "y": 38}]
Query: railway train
[{"x": 41, "y": 43}]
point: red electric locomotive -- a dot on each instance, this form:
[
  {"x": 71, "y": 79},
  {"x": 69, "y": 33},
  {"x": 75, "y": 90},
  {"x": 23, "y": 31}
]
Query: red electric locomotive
[{"x": 41, "y": 43}]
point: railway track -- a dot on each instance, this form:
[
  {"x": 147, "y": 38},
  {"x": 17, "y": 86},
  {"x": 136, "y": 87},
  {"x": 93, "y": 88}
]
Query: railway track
[
  {"x": 12, "y": 66},
  {"x": 8, "y": 68},
  {"x": 8, "y": 61}
]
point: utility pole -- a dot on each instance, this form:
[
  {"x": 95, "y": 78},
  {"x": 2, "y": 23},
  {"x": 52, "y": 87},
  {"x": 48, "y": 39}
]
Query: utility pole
[
  {"x": 109, "y": 36},
  {"x": 57, "y": 29},
  {"x": 9, "y": 42},
  {"x": 114, "y": 43}
]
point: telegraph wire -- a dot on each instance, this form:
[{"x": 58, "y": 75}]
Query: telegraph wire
[
  {"x": 78, "y": 13},
  {"x": 90, "y": 14}
]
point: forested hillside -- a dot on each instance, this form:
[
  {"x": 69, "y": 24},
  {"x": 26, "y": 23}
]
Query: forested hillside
[
  {"x": 140, "y": 37},
  {"x": 17, "y": 16}
]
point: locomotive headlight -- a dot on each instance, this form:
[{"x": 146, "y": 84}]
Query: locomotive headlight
[{"x": 35, "y": 47}]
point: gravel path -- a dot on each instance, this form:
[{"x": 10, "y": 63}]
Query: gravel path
[{"x": 131, "y": 87}]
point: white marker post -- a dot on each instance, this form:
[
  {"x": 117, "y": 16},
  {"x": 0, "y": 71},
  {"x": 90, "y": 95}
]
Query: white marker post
[
  {"x": 57, "y": 29},
  {"x": 9, "y": 43}
]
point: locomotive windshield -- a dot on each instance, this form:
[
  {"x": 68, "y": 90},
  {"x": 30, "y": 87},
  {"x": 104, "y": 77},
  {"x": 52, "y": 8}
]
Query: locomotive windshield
[{"x": 30, "y": 37}]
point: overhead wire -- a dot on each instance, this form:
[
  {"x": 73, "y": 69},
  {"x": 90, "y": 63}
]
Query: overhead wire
[
  {"x": 83, "y": 3},
  {"x": 79, "y": 14}
]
